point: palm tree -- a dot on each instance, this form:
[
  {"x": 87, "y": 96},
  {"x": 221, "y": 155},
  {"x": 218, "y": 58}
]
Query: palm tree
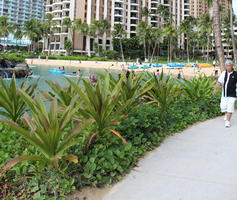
[
  {"x": 5, "y": 29},
  {"x": 95, "y": 32},
  {"x": 68, "y": 27},
  {"x": 226, "y": 31},
  {"x": 170, "y": 33},
  {"x": 142, "y": 33},
  {"x": 156, "y": 37},
  {"x": 186, "y": 28},
  {"x": 81, "y": 28},
  {"x": 18, "y": 34},
  {"x": 206, "y": 28},
  {"x": 164, "y": 13},
  {"x": 118, "y": 32},
  {"x": 29, "y": 28},
  {"x": 145, "y": 12},
  {"x": 48, "y": 27},
  {"x": 217, "y": 33},
  {"x": 105, "y": 26},
  {"x": 232, "y": 30}
]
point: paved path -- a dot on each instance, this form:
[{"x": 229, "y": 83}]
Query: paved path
[{"x": 198, "y": 164}]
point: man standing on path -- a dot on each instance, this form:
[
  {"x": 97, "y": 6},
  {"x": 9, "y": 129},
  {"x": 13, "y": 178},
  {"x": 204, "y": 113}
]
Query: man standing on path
[{"x": 227, "y": 80}]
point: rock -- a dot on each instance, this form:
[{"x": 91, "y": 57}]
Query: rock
[{"x": 8, "y": 68}]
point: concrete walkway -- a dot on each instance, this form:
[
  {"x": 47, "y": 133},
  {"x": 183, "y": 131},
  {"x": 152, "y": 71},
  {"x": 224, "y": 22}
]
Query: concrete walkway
[{"x": 197, "y": 164}]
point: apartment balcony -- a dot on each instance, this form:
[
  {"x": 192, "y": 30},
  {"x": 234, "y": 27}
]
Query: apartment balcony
[
  {"x": 118, "y": 13},
  {"x": 134, "y": 2},
  {"x": 134, "y": 16},
  {"x": 118, "y": 6},
  {"x": 134, "y": 10},
  {"x": 57, "y": 11},
  {"x": 57, "y": 2}
]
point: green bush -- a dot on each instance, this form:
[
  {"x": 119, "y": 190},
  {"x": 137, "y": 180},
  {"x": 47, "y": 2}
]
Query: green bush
[
  {"x": 13, "y": 57},
  {"x": 108, "y": 159}
]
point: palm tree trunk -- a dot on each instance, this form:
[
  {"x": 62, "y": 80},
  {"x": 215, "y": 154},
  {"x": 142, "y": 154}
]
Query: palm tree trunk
[
  {"x": 4, "y": 46},
  {"x": 217, "y": 32},
  {"x": 121, "y": 48},
  {"x": 187, "y": 48},
  {"x": 208, "y": 46},
  {"x": 153, "y": 52},
  {"x": 49, "y": 49},
  {"x": 168, "y": 60},
  {"x": 232, "y": 32},
  {"x": 144, "y": 45},
  {"x": 170, "y": 49}
]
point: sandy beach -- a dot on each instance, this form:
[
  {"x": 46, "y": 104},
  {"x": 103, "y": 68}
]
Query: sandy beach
[{"x": 186, "y": 72}]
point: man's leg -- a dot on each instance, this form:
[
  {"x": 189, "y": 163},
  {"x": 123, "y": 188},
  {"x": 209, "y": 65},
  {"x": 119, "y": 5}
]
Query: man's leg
[{"x": 228, "y": 117}]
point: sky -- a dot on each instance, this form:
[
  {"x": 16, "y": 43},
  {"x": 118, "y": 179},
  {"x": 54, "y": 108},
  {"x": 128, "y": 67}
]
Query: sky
[{"x": 235, "y": 6}]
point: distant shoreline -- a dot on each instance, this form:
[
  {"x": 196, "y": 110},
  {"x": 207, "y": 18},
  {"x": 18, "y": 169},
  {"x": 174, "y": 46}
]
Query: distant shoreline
[{"x": 186, "y": 72}]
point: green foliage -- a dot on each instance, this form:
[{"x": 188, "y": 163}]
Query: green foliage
[
  {"x": 13, "y": 57},
  {"x": 101, "y": 105},
  {"x": 111, "y": 54},
  {"x": 53, "y": 137},
  {"x": 11, "y": 103},
  {"x": 199, "y": 88},
  {"x": 45, "y": 131},
  {"x": 68, "y": 46},
  {"x": 164, "y": 90},
  {"x": 64, "y": 95}
]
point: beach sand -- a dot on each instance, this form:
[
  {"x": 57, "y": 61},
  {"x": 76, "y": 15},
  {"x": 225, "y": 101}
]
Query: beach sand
[{"x": 186, "y": 72}]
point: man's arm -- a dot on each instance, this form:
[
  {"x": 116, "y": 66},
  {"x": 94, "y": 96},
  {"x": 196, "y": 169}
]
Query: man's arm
[{"x": 216, "y": 87}]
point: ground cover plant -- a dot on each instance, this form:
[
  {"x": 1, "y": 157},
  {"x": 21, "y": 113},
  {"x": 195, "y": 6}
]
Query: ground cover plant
[{"x": 105, "y": 129}]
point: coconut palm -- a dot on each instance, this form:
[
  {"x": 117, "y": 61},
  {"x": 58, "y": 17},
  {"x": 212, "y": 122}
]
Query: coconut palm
[
  {"x": 186, "y": 27},
  {"x": 5, "y": 29},
  {"x": 164, "y": 13},
  {"x": 18, "y": 34},
  {"x": 68, "y": 27},
  {"x": 217, "y": 33},
  {"x": 232, "y": 30},
  {"x": 105, "y": 26},
  {"x": 226, "y": 31},
  {"x": 48, "y": 27},
  {"x": 81, "y": 28},
  {"x": 142, "y": 33},
  {"x": 170, "y": 33},
  {"x": 206, "y": 28},
  {"x": 119, "y": 32},
  {"x": 145, "y": 12},
  {"x": 30, "y": 31},
  {"x": 156, "y": 37}
]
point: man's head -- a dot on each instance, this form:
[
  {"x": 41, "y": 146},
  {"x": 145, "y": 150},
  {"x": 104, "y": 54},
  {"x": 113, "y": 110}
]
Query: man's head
[{"x": 229, "y": 65}]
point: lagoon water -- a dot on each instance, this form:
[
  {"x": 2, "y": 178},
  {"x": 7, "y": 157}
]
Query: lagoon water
[{"x": 42, "y": 72}]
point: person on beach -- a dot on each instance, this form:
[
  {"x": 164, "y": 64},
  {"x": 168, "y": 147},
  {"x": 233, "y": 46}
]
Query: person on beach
[{"x": 227, "y": 80}]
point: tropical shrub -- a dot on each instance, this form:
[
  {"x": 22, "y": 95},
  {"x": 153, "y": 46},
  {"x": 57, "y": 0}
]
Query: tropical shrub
[
  {"x": 101, "y": 105},
  {"x": 132, "y": 88},
  {"x": 198, "y": 88},
  {"x": 164, "y": 91},
  {"x": 64, "y": 95},
  {"x": 12, "y": 106},
  {"x": 45, "y": 131}
]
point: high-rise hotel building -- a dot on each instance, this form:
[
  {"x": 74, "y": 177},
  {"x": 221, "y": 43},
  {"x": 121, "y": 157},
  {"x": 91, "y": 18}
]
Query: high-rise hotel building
[
  {"x": 126, "y": 12},
  {"x": 19, "y": 11}
]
